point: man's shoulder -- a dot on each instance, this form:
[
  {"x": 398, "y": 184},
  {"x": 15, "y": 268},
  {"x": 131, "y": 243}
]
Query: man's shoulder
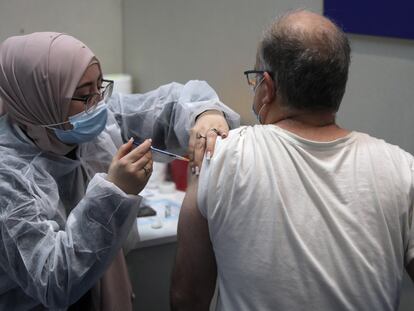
[
  {"x": 381, "y": 143},
  {"x": 241, "y": 149},
  {"x": 246, "y": 132},
  {"x": 385, "y": 149},
  {"x": 238, "y": 140}
]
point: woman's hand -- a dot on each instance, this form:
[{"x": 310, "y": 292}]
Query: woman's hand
[
  {"x": 203, "y": 135},
  {"x": 131, "y": 168}
]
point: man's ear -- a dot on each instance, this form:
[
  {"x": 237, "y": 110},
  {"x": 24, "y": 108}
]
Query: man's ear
[{"x": 269, "y": 88}]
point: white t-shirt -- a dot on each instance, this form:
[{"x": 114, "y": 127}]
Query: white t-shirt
[{"x": 303, "y": 225}]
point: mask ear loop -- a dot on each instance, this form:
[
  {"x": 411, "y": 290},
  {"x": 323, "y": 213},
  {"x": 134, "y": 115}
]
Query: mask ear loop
[
  {"x": 255, "y": 88},
  {"x": 51, "y": 126},
  {"x": 258, "y": 115},
  {"x": 261, "y": 108}
]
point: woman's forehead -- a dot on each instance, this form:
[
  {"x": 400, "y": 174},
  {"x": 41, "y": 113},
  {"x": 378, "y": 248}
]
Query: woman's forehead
[{"x": 91, "y": 74}]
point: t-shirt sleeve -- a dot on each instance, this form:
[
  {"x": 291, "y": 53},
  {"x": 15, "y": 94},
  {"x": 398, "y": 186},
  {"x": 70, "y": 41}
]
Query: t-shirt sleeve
[
  {"x": 409, "y": 255},
  {"x": 217, "y": 176},
  {"x": 205, "y": 178},
  {"x": 202, "y": 188}
]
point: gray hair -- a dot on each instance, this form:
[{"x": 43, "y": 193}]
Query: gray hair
[{"x": 309, "y": 68}]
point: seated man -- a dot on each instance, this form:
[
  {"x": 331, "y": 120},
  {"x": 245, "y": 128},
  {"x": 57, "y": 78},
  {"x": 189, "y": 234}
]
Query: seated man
[{"x": 297, "y": 213}]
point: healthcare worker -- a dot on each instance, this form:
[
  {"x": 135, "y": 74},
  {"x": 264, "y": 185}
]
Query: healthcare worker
[{"x": 68, "y": 180}]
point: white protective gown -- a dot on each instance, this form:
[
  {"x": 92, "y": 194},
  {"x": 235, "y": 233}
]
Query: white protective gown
[{"x": 61, "y": 222}]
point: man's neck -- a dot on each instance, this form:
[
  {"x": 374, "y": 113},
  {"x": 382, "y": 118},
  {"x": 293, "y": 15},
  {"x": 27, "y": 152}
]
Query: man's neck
[{"x": 317, "y": 127}]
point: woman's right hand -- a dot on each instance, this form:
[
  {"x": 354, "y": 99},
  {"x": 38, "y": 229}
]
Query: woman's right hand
[{"x": 131, "y": 168}]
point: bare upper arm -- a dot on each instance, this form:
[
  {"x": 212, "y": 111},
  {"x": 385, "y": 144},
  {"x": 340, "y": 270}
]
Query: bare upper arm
[{"x": 195, "y": 271}]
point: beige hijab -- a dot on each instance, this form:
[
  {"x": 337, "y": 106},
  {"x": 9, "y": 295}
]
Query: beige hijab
[{"x": 39, "y": 73}]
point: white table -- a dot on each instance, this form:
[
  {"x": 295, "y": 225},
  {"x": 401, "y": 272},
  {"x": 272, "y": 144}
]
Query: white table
[{"x": 146, "y": 232}]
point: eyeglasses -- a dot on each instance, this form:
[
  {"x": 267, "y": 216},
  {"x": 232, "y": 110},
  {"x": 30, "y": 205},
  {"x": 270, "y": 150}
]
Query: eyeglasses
[
  {"x": 254, "y": 77},
  {"x": 93, "y": 99}
]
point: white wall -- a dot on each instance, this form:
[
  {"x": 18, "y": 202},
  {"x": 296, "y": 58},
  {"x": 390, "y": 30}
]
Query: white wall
[
  {"x": 98, "y": 23},
  {"x": 380, "y": 93},
  {"x": 212, "y": 40}
]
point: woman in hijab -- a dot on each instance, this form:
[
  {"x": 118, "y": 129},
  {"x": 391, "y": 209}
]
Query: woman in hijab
[{"x": 69, "y": 175}]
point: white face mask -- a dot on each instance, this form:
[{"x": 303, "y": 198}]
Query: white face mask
[{"x": 257, "y": 114}]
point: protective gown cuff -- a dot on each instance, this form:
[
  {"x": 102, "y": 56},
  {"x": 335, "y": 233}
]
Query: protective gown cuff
[
  {"x": 100, "y": 179},
  {"x": 233, "y": 120}
]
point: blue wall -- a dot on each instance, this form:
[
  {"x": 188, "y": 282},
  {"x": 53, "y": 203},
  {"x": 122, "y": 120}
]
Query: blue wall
[{"x": 393, "y": 18}]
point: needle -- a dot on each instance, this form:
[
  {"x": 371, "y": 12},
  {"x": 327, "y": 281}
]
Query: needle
[{"x": 172, "y": 155}]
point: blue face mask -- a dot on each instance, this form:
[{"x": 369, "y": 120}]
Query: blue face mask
[{"x": 86, "y": 126}]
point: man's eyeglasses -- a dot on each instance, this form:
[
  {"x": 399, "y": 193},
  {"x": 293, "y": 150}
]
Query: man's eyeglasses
[
  {"x": 254, "y": 77},
  {"x": 93, "y": 99}
]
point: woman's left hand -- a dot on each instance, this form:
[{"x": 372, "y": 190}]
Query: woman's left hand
[{"x": 203, "y": 135}]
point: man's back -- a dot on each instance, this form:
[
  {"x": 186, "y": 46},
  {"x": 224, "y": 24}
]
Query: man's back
[{"x": 301, "y": 225}]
